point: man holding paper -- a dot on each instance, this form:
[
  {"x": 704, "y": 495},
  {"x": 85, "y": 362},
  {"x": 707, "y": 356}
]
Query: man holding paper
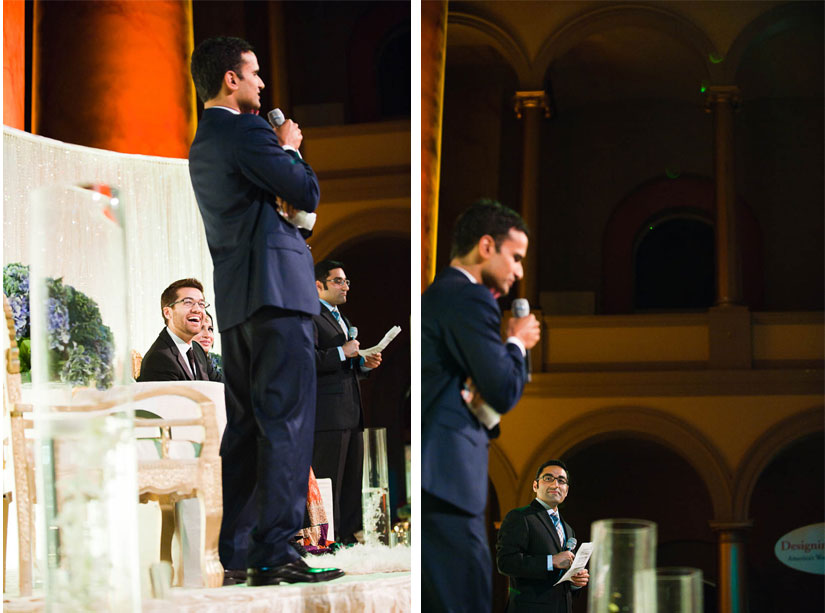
[
  {"x": 339, "y": 420},
  {"x": 535, "y": 546}
]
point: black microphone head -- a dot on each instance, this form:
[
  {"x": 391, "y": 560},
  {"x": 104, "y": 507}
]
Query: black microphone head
[
  {"x": 521, "y": 307},
  {"x": 276, "y": 117},
  {"x": 353, "y": 332},
  {"x": 571, "y": 543}
]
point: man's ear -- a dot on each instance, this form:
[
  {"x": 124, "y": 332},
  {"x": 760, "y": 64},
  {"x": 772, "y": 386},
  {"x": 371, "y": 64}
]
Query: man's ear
[
  {"x": 486, "y": 246},
  {"x": 167, "y": 314},
  {"x": 230, "y": 80},
  {"x": 535, "y": 486},
  {"x": 319, "y": 286}
]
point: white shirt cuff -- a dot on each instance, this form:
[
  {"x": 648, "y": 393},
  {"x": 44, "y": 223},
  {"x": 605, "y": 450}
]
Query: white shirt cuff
[
  {"x": 517, "y": 342},
  {"x": 291, "y": 148},
  {"x": 341, "y": 354}
]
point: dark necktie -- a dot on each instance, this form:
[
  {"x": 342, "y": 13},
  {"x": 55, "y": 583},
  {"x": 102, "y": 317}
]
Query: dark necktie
[{"x": 191, "y": 355}]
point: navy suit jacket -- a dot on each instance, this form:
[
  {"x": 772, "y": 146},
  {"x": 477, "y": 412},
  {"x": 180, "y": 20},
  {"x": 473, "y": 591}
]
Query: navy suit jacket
[
  {"x": 237, "y": 169},
  {"x": 164, "y": 362},
  {"x": 460, "y": 338},
  {"x": 338, "y": 405},
  {"x": 525, "y": 539}
]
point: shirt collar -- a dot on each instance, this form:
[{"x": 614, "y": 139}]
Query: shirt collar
[
  {"x": 328, "y": 305},
  {"x": 181, "y": 344},
  {"x": 226, "y": 108},
  {"x": 466, "y": 274},
  {"x": 547, "y": 506}
]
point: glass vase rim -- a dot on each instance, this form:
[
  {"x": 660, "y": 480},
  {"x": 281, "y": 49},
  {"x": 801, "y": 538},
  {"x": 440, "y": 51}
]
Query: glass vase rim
[{"x": 624, "y": 524}]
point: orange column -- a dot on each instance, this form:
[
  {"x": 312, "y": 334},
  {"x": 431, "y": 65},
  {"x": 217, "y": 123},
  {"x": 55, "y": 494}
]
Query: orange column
[
  {"x": 14, "y": 63},
  {"x": 114, "y": 75},
  {"x": 433, "y": 54}
]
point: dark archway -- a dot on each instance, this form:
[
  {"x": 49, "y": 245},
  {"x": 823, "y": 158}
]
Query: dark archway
[
  {"x": 632, "y": 477},
  {"x": 660, "y": 199},
  {"x": 674, "y": 264},
  {"x": 787, "y": 495}
]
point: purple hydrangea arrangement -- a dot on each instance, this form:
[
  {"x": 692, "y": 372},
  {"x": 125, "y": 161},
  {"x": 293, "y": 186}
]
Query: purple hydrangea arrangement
[{"x": 81, "y": 348}]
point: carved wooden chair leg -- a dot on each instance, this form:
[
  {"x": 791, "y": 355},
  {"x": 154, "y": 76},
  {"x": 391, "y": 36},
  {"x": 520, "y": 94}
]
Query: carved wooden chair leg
[
  {"x": 167, "y": 529},
  {"x": 211, "y": 503}
]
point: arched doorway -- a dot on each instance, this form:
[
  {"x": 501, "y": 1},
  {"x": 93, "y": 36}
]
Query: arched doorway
[
  {"x": 787, "y": 495},
  {"x": 636, "y": 477}
]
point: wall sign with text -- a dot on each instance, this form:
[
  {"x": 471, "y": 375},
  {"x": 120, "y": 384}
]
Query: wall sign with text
[{"x": 803, "y": 549}]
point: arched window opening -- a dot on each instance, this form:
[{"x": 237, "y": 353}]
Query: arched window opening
[{"x": 674, "y": 264}]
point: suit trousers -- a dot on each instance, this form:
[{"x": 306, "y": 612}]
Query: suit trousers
[
  {"x": 457, "y": 568},
  {"x": 266, "y": 450},
  {"x": 339, "y": 455}
]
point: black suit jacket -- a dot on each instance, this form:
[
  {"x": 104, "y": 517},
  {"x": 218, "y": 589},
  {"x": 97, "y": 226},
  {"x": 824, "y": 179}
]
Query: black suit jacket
[
  {"x": 164, "y": 362},
  {"x": 338, "y": 405},
  {"x": 525, "y": 539},
  {"x": 237, "y": 169},
  {"x": 460, "y": 338}
]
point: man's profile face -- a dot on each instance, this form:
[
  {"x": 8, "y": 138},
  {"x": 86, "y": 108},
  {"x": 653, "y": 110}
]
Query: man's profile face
[
  {"x": 185, "y": 321},
  {"x": 551, "y": 492},
  {"x": 336, "y": 290},
  {"x": 504, "y": 267},
  {"x": 250, "y": 84}
]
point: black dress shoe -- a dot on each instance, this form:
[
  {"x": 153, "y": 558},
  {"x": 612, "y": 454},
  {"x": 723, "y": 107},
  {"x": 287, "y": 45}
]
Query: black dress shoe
[
  {"x": 294, "y": 572},
  {"x": 234, "y": 577}
]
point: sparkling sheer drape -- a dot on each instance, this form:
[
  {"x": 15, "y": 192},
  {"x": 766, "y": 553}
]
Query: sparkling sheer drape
[{"x": 165, "y": 235}]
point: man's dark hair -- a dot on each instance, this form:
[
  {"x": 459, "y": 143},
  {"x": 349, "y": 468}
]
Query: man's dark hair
[
  {"x": 170, "y": 294},
  {"x": 552, "y": 463},
  {"x": 484, "y": 216},
  {"x": 212, "y": 59},
  {"x": 322, "y": 270}
]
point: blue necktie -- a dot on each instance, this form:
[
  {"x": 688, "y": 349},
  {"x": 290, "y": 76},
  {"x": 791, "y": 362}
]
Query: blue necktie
[{"x": 557, "y": 523}]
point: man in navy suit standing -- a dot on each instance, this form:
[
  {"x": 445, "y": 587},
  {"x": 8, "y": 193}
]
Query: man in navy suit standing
[
  {"x": 461, "y": 341},
  {"x": 244, "y": 173}
]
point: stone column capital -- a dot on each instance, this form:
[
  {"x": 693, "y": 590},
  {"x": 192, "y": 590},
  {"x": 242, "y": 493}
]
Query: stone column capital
[
  {"x": 716, "y": 94},
  {"x": 531, "y": 100}
]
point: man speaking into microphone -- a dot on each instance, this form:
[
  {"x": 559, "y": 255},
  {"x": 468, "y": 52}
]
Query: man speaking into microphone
[
  {"x": 265, "y": 298},
  {"x": 461, "y": 340},
  {"x": 535, "y": 547}
]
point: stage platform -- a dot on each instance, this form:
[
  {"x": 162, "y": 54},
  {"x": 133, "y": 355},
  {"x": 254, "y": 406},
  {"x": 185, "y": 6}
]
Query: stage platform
[{"x": 377, "y": 581}]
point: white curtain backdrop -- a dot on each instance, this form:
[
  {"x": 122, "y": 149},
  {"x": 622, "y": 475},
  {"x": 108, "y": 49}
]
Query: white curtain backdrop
[{"x": 165, "y": 237}]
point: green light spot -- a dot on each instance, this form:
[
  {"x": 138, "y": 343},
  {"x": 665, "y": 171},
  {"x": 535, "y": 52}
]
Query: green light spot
[
  {"x": 715, "y": 58},
  {"x": 650, "y": 227},
  {"x": 673, "y": 172},
  {"x": 703, "y": 87}
]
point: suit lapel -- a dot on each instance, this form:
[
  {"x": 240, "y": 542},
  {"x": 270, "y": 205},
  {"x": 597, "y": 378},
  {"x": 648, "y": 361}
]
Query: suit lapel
[
  {"x": 548, "y": 523},
  {"x": 178, "y": 356}
]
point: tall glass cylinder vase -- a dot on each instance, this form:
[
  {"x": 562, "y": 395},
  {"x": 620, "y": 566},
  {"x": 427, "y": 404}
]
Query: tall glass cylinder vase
[
  {"x": 679, "y": 590},
  {"x": 86, "y": 460},
  {"x": 622, "y": 567},
  {"x": 375, "y": 488}
]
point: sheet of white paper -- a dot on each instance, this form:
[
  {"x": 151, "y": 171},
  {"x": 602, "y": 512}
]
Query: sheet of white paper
[
  {"x": 391, "y": 334},
  {"x": 579, "y": 562}
]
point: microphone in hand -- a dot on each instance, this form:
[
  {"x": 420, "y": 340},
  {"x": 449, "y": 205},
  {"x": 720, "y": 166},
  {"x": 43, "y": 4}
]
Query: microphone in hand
[{"x": 526, "y": 328}]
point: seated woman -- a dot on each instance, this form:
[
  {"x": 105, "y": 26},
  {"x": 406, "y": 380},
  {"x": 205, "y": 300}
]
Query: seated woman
[{"x": 313, "y": 536}]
